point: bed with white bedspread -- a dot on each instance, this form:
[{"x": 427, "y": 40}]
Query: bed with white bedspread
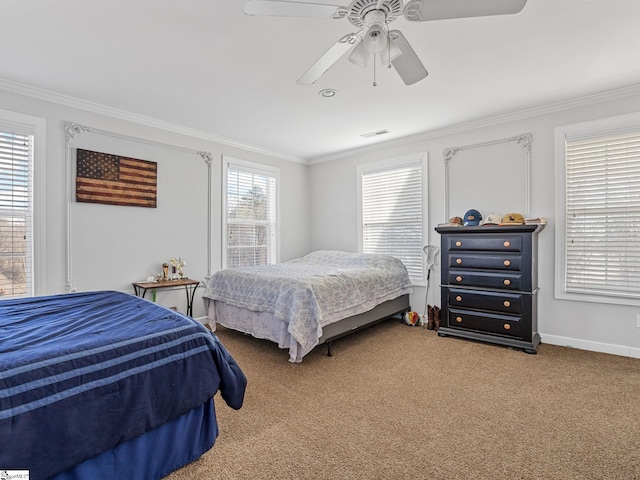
[{"x": 294, "y": 302}]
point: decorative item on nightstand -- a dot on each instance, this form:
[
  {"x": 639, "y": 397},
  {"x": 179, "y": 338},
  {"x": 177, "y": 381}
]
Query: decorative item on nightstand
[
  {"x": 181, "y": 265},
  {"x": 177, "y": 268},
  {"x": 174, "y": 268},
  {"x": 165, "y": 272}
]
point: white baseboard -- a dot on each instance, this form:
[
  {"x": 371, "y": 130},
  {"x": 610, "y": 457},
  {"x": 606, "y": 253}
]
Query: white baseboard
[
  {"x": 622, "y": 350},
  {"x": 202, "y": 320}
]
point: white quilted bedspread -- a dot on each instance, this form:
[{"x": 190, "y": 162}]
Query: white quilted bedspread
[{"x": 309, "y": 292}]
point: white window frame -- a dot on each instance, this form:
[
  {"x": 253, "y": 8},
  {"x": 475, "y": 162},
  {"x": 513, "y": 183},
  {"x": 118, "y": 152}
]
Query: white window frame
[
  {"x": 35, "y": 126},
  {"x": 252, "y": 167},
  {"x": 415, "y": 160},
  {"x": 593, "y": 129}
]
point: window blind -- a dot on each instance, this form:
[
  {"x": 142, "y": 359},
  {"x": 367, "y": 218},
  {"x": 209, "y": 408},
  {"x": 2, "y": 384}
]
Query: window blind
[
  {"x": 16, "y": 213},
  {"x": 251, "y": 217},
  {"x": 392, "y": 215},
  {"x": 603, "y": 215}
]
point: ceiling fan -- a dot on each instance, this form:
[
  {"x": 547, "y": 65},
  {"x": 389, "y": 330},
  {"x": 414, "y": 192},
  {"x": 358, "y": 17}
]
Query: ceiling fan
[{"x": 374, "y": 37}]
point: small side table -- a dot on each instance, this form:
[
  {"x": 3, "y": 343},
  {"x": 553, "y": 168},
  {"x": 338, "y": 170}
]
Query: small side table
[{"x": 190, "y": 286}]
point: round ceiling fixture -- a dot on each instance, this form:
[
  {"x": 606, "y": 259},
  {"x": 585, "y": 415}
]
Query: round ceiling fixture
[{"x": 327, "y": 93}]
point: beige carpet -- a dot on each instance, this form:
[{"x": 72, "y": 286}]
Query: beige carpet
[{"x": 398, "y": 402}]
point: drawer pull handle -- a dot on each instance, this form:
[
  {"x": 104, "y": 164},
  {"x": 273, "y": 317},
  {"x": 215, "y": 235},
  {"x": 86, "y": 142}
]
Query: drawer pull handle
[
  {"x": 458, "y": 298},
  {"x": 507, "y": 263},
  {"x": 458, "y": 261},
  {"x": 458, "y": 243},
  {"x": 507, "y": 303},
  {"x": 507, "y": 282},
  {"x": 458, "y": 278},
  {"x": 507, "y": 326},
  {"x": 507, "y": 243},
  {"x": 459, "y": 319}
]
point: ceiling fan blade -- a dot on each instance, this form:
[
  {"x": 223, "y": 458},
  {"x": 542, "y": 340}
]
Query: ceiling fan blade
[
  {"x": 408, "y": 65},
  {"x": 425, "y": 10},
  {"x": 331, "y": 56},
  {"x": 277, "y": 8}
]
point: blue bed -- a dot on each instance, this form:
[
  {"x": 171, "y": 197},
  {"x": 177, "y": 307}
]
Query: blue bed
[{"x": 108, "y": 385}]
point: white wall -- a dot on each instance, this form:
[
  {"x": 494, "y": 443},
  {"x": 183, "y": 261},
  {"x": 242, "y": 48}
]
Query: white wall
[
  {"x": 111, "y": 246},
  {"x": 318, "y": 207},
  {"x": 593, "y": 326}
]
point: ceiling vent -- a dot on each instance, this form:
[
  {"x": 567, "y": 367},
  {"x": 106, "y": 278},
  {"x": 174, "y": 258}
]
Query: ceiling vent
[{"x": 375, "y": 134}]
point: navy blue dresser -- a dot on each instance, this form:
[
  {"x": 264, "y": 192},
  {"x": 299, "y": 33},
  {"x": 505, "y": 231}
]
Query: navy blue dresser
[{"x": 489, "y": 284}]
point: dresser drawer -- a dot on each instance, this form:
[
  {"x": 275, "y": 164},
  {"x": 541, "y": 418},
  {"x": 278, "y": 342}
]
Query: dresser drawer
[
  {"x": 502, "y": 243},
  {"x": 512, "y": 303},
  {"x": 504, "y": 261},
  {"x": 495, "y": 280},
  {"x": 509, "y": 325}
]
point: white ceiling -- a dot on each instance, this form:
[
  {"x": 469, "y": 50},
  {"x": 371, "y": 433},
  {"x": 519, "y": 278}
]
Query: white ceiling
[{"x": 207, "y": 66}]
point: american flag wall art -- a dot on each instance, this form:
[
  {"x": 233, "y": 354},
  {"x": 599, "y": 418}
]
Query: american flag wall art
[{"x": 115, "y": 180}]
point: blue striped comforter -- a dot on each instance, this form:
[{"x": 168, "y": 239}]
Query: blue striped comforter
[{"x": 81, "y": 373}]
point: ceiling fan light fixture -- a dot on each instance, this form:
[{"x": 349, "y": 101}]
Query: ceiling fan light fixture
[
  {"x": 360, "y": 55},
  {"x": 376, "y": 39},
  {"x": 390, "y": 53}
]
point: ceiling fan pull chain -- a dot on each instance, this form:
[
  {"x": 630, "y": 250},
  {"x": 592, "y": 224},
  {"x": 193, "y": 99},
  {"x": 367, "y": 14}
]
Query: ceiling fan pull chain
[
  {"x": 386, "y": 26},
  {"x": 375, "y": 84}
]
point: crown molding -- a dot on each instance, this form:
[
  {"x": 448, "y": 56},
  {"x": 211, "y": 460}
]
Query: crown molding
[
  {"x": 65, "y": 100},
  {"x": 68, "y": 101},
  {"x": 577, "y": 102}
]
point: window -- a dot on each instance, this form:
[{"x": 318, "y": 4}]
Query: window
[
  {"x": 17, "y": 154},
  {"x": 599, "y": 227},
  {"x": 391, "y": 203},
  {"x": 251, "y": 214}
]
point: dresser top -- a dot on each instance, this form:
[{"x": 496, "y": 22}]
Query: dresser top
[{"x": 492, "y": 229}]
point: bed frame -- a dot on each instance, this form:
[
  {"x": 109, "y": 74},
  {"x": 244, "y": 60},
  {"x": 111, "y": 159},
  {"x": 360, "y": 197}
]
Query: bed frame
[
  {"x": 330, "y": 332},
  {"x": 350, "y": 325}
]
